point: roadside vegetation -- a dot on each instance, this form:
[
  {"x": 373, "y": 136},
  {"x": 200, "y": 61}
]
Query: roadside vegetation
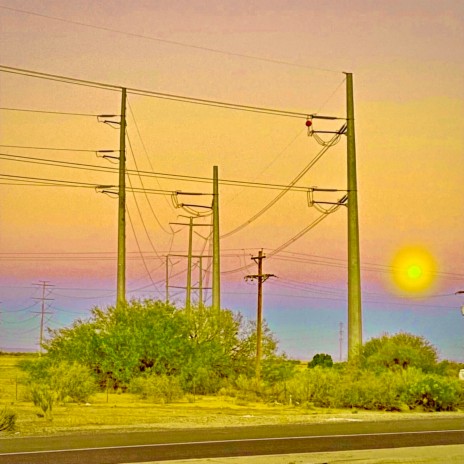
[{"x": 150, "y": 352}]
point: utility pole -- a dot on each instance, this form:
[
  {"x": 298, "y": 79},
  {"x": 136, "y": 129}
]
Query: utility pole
[
  {"x": 121, "y": 279},
  {"x": 188, "y": 296},
  {"x": 188, "y": 288},
  {"x": 340, "y": 341},
  {"x": 44, "y": 284},
  {"x": 167, "y": 279},
  {"x": 354, "y": 274},
  {"x": 216, "y": 244},
  {"x": 200, "y": 282},
  {"x": 259, "y": 320}
]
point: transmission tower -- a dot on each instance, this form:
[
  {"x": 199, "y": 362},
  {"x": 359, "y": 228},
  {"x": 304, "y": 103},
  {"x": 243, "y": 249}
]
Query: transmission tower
[{"x": 44, "y": 284}]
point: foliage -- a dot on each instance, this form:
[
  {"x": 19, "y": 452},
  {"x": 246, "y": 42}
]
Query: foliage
[
  {"x": 7, "y": 419},
  {"x": 158, "y": 388},
  {"x": 52, "y": 381},
  {"x": 44, "y": 397},
  {"x": 318, "y": 386},
  {"x": 202, "y": 346},
  {"x": 277, "y": 369},
  {"x": 369, "y": 390},
  {"x": 321, "y": 359},
  {"x": 121, "y": 342},
  {"x": 350, "y": 386},
  {"x": 448, "y": 369},
  {"x": 399, "y": 351},
  {"x": 430, "y": 391}
]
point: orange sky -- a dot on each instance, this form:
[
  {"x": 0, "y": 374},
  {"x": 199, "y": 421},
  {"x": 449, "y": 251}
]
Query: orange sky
[{"x": 407, "y": 64}]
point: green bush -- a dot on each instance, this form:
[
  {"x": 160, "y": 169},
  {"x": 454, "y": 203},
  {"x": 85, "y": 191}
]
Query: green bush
[
  {"x": 7, "y": 419},
  {"x": 69, "y": 381},
  {"x": 158, "y": 388},
  {"x": 317, "y": 386},
  {"x": 321, "y": 359},
  {"x": 249, "y": 388},
  {"x": 370, "y": 391},
  {"x": 430, "y": 391},
  {"x": 44, "y": 397},
  {"x": 201, "y": 381}
]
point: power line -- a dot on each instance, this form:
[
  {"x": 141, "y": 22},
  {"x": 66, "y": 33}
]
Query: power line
[
  {"x": 143, "y": 185},
  {"x": 171, "y": 42},
  {"x": 335, "y": 139},
  {"x": 48, "y": 112},
  {"x": 289, "y": 242},
  {"x": 151, "y": 167},
  {"x": 165, "y": 96},
  {"x": 186, "y": 178},
  {"x": 49, "y": 148}
]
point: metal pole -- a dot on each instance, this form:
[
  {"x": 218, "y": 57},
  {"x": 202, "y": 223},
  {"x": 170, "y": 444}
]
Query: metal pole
[
  {"x": 259, "y": 319},
  {"x": 121, "y": 281},
  {"x": 42, "y": 318},
  {"x": 354, "y": 275},
  {"x": 216, "y": 245},
  {"x": 189, "y": 267},
  {"x": 167, "y": 279},
  {"x": 200, "y": 283}
]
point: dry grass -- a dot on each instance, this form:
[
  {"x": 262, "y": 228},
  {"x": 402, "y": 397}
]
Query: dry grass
[{"x": 127, "y": 411}]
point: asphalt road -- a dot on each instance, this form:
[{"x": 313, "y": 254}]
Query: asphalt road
[{"x": 165, "y": 445}]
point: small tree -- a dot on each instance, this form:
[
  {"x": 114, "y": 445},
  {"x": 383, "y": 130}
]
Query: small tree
[
  {"x": 399, "y": 351},
  {"x": 321, "y": 359}
]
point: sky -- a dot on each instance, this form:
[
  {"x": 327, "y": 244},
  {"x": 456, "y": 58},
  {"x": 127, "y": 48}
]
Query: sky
[{"x": 407, "y": 65}]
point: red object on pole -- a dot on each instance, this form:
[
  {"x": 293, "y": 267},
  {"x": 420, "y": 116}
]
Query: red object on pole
[{"x": 309, "y": 123}]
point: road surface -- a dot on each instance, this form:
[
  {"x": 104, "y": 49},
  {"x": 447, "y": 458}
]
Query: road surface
[{"x": 131, "y": 447}]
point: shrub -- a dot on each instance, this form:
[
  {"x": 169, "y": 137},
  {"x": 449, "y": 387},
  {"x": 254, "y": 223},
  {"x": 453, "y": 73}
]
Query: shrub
[
  {"x": 369, "y": 391},
  {"x": 430, "y": 391},
  {"x": 158, "y": 388},
  {"x": 249, "y": 388},
  {"x": 317, "y": 386},
  {"x": 44, "y": 397},
  {"x": 202, "y": 381},
  {"x": 399, "y": 351},
  {"x": 7, "y": 419},
  {"x": 321, "y": 359},
  {"x": 67, "y": 380}
]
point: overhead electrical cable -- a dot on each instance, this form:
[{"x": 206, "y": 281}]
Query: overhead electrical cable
[
  {"x": 49, "y": 148},
  {"x": 333, "y": 141},
  {"x": 166, "y": 96},
  {"x": 186, "y": 178},
  {"x": 64, "y": 113},
  {"x": 138, "y": 207},
  {"x": 171, "y": 42},
  {"x": 140, "y": 176},
  {"x": 146, "y": 155},
  {"x": 141, "y": 254},
  {"x": 289, "y": 242}
]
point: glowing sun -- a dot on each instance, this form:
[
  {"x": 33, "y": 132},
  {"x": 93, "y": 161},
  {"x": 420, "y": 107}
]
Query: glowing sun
[{"x": 414, "y": 269}]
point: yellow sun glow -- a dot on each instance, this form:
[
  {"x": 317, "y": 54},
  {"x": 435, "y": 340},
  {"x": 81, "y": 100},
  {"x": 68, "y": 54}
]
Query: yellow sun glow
[{"x": 414, "y": 269}]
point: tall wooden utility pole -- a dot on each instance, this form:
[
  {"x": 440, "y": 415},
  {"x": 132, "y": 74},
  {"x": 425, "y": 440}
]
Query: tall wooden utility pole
[
  {"x": 354, "y": 275},
  {"x": 121, "y": 280},
  {"x": 216, "y": 245},
  {"x": 259, "y": 319}
]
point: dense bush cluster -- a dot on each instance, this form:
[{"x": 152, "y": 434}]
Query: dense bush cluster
[
  {"x": 161, "y": 353},
  {"x": 202, "y": 347}
]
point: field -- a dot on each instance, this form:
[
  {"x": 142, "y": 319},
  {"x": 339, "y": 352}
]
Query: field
[{"x": 127, "y": 412}]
